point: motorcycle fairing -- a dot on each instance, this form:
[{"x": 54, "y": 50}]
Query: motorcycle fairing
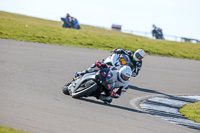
[{"x": 75, "y": 84}]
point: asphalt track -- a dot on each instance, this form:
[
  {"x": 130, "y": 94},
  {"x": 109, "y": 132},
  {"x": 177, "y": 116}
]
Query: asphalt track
[{"x": 32, "y": 74}]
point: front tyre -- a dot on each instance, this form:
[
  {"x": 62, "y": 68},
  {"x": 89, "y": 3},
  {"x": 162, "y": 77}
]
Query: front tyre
[
  {"x": 65, "y": 90},
  {"x": 85, "y": 92}
]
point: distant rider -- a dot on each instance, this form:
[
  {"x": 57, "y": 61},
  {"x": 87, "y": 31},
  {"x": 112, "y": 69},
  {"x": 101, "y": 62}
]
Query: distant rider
[{"x": 157, "y": 32}]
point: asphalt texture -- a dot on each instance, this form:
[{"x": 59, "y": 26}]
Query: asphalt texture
[{"x": 31, "y": 99}]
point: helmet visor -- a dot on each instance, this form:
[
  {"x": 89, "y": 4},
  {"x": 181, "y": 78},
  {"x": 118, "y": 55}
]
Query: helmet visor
[
  {"x": 138, "y": 56},
  {"x": 124, "y": 77}
]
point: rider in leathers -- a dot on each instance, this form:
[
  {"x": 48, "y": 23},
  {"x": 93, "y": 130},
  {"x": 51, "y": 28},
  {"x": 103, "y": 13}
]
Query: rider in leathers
[
  {"x": 121, "y": 82},
  {"x": 118, "y": 58}
]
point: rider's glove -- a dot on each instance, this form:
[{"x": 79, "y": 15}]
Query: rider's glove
[
  {"x": 113, "y": 51},
  {"x": 134, "y": 74},
  {"x": 100, "y": 64},
  {"x": 120, "y": 51},
  {"x": 130, "y": 53},
  {"x": 117, "y": 51},
  {"x": 114, "y": 94}
]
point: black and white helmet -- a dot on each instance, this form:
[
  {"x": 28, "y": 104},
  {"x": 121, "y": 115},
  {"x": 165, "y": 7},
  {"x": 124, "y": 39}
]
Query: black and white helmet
[{"x": 125, "y": 73}]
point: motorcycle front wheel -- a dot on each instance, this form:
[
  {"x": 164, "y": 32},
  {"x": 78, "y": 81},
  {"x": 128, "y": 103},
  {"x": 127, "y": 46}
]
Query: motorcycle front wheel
[
  {"x": 65, "y": 90},
  {"x": 85, "y": 92}
]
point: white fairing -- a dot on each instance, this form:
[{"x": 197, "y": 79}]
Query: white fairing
[
  {"x": 74, "y": 85},
  {"x": 113, "y": 59},
  {"x": 108, "y": 59}
]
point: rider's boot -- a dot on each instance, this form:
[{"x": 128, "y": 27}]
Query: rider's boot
[
  {"x": 89, "y": 70},
  {"x": 80, "y": 73},
  {"x": 105, "y": 99}
]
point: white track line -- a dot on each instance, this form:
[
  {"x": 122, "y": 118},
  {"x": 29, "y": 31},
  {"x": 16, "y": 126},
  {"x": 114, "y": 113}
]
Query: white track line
[{"x": 168, "y": 108}]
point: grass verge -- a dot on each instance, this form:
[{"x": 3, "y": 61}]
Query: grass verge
[
  {"x": 191, "y": 111},
  {"x": 9, "y": 130},
  {"x": 25, "y": 28}
]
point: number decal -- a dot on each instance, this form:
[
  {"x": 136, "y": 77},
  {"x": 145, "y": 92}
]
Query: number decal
[{"x": 122, "y": 61}]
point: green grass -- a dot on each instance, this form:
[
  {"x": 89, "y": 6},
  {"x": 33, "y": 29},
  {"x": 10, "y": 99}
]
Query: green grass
[
  {"x": 191, "y": 111},
  {"x": 9, "y": 130},
  {"x": 20, "y": 27}
]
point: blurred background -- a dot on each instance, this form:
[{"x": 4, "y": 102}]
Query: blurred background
[{"x": 177, "y": 18}]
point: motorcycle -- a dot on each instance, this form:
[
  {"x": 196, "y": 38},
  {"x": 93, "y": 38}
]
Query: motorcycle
[
  {"x": 158, "y": 33},
  {"x": 68, "y": 24},
  {"x": 91, "y": 84}
]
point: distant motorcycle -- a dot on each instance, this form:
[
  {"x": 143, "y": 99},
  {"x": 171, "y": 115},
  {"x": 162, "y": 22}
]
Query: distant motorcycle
[
  {"x": 157, "y": 33},
  {"x": 91, "y": 84},
  {"x": 70, "y": 24}
]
